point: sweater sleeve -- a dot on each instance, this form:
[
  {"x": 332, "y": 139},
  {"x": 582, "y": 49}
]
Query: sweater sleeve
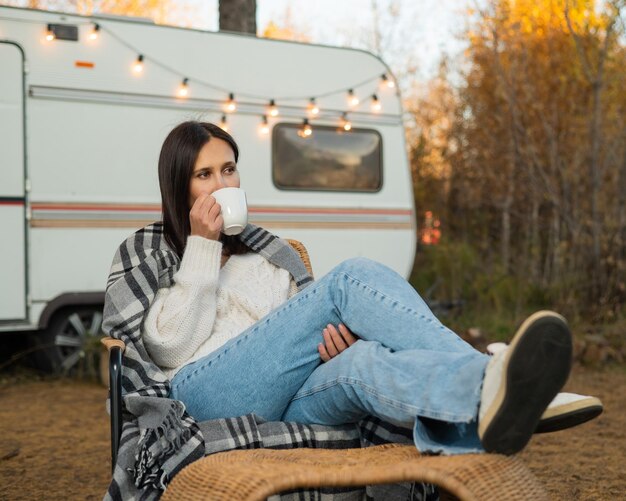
[{"x": 181, "y": 317}]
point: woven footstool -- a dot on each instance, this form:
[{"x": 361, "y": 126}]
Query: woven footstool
[{"x": 251, "y": 475}]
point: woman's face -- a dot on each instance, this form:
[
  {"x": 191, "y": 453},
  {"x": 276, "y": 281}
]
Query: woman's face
[{"x": 215, "y": 168}]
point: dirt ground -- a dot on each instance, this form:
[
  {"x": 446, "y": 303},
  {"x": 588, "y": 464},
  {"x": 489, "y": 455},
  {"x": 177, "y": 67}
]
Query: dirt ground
[{"x": 55, "y": 442}]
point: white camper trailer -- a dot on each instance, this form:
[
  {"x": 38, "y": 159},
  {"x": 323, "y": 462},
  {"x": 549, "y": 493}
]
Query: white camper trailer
[{"x": 85, "y": 104}]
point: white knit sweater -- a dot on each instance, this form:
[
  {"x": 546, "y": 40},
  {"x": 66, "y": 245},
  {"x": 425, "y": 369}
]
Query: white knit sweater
[{"x": 209, "y": 305}]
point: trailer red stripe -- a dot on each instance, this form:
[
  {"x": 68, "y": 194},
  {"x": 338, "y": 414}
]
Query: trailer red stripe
[
  {"x": 252, "y": 209},
  {"x": 107, "y": 215},
  {"x": 100, "y": 207},
  {"x": 320, "y": 210}
]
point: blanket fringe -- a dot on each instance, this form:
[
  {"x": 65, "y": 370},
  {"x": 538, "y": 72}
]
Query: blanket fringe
[{"x": 155, "y": 446}]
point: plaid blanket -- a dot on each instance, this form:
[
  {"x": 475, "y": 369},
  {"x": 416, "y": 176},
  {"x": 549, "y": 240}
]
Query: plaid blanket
[{"x": 159, "y": 438}]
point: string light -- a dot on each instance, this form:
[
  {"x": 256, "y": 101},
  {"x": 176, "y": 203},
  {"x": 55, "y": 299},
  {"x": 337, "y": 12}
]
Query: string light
[
  {"x": 264, "y": 127},
  {"x": 183, "y": 90},
  {"x": 93, "y": 35},
  {"x": 345, "y": 123},
  {"x": 376, "y": 106},
  {"x": 224, "y": 124},
  {"x": 306, "y": 129},
  {"x": 231, "y": 104},
  {"x": 272, "y": 109},
  {"x": 138, "y": 65},
  {"x": 50, "y": 34},
  {"x": 387, "y": 81},
  {"x": 352, "y": 99},
  {"x": 313, "y": 108}
]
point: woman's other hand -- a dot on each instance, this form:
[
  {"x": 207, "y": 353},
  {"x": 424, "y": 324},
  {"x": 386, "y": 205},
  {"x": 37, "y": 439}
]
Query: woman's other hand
[
  {"x": 335, "y": 341},
  {"x": 205, "y": 217}
]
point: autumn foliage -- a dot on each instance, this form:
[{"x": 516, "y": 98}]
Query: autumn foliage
[{"x": 524, "y": 158}]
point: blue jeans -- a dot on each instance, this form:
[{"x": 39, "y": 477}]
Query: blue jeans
[{"x": 406, "y": 368}]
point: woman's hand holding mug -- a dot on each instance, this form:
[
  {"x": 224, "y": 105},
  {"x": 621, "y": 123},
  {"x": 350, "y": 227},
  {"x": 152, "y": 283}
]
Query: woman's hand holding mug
[{"x": 205, "y": 217}]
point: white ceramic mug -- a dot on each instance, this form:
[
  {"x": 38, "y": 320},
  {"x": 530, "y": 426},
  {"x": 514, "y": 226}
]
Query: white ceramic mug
[{"x": 234, "y": 209}]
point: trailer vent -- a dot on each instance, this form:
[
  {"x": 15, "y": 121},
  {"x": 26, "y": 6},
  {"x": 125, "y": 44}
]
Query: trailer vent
[{"x": 64, "y": 31}]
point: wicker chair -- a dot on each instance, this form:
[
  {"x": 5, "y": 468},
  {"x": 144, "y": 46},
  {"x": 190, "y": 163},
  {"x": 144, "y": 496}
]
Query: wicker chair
[{"x": 253, "y": 475}]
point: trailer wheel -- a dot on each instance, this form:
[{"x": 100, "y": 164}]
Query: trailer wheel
[{"x": 70, "y": 345}]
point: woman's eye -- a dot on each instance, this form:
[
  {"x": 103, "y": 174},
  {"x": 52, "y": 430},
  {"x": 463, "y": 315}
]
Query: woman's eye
[{"x": 203, "y": 174}]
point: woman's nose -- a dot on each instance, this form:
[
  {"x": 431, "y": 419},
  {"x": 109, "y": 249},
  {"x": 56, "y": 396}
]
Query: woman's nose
[{"x": 221, "y": 182}]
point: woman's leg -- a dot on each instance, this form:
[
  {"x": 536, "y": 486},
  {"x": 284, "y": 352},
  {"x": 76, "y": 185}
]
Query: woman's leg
[
  {"x": 436, "y": 394},
  {"x": 442, "y": 402},
  {"x": 262, "y": 369}
]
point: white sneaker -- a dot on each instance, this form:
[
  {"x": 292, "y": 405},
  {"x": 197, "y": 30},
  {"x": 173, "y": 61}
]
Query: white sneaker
[
  {"x": 521, "y": 380},
  {"x": 493, "y": 348},
  {"x": 566, "y": 409}
]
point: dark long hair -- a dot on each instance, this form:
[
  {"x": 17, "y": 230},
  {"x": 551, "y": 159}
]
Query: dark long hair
[{"x": 176, "y": 162}]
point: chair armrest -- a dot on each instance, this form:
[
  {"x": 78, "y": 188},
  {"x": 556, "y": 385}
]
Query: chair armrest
[
  {"x": 109, "y": 343},
  {"x": 304, "y": 255},
  {"x": 115, "y": 348}
]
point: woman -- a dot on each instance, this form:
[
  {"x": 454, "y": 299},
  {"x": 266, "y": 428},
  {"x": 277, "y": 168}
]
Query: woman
[{"x": 234, "y": 335}]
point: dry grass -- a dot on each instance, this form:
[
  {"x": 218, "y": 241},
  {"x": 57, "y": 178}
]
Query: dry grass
[{"x": 59, "y": 429}]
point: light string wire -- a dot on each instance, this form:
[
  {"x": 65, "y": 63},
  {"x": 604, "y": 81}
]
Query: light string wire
[
  {"x": 204, "y": 83},
  {"x": 384, "y": 78},
  {"x": 196, "y": 80},
  {"x": 105, "y": 29}
]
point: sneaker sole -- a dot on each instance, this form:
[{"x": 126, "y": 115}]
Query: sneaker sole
[
  {"x": 536, "y": 368},
  {"x": 569, "y": 415}
]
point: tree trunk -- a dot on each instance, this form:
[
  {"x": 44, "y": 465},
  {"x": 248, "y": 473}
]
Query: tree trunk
[
  {"x": 505, "y": 242},
  {"x": 557, "y": 259},
  {"x": 594, "y": 174},
  {"x": 238, "y": 16},
  {"x": 535, "y": 244},
  {"x": 595, "y": 76},
  {"x": 621, "y": 221},
  {"x": 552, "y": 263}
]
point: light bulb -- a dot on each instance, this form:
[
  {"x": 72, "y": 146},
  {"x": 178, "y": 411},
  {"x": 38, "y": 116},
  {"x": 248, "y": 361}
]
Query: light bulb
[
  {"x": 95, "y": 31},
  {"x": 306, "y": 129},
  {"x": 345, "y": 123},
  {"x": 376, "y": 106},
  {"x": 272, "y": 109},
  {"x": 352, "y": 99},
  {"x": 387, "y": 81},
  {"x": 264, "y": 127},
  {"x": 183, "y": 90},
  {"x": 138, "y": 65},
  {"x": 313, "y": 108},
  {"x": 231, "y": 104},
  {"x": 224, "y": 124},
  {"x": 50, "y": 34}
]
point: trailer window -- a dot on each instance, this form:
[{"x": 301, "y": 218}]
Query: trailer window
[{"x": 329, "y": 159}]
